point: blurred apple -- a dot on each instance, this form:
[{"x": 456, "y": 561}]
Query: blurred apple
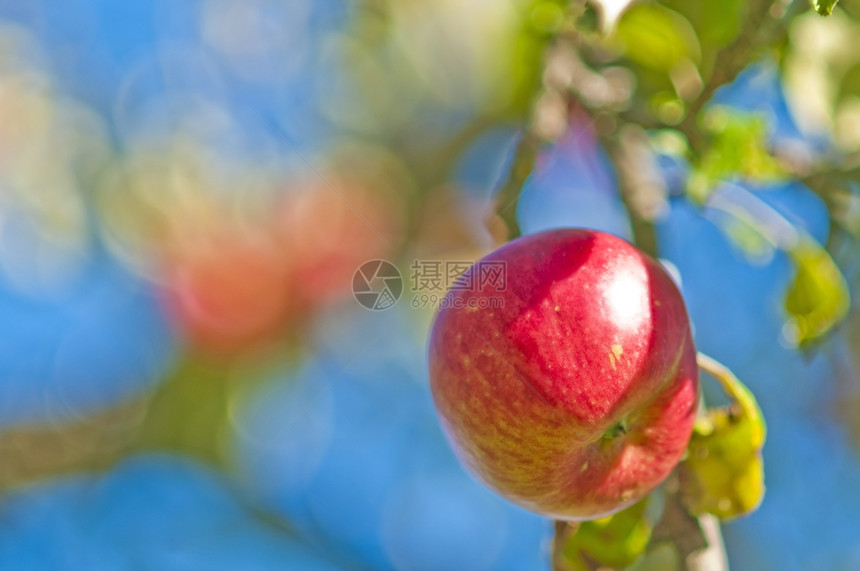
[
  {"x": 232, "y": 287},
  {"x": 329, "y": 228},
  {"x": 232, "y": 294}
]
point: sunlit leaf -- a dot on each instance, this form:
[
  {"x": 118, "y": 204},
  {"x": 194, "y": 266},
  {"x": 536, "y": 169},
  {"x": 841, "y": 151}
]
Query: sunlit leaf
[
  {"x": 723, "y": 473},
  {"x": 615, "y": 541},
  {"x": 824, "y": 7},
  {"x": 818, "y": 297},
  {"x": 738, "y": 149},
  {"x": 716, "y": 22},
  {"x": 850, "y": 84},
  {"x": 657, "y": 37}
]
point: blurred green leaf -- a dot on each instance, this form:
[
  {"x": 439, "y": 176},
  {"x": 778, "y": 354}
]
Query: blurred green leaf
[
  {"x": 589, "y": 20},
  {"x": 189, "y": 413},
  {"x": 656, "y": 37},
  {"x": 723, "y": 473},
  {"x": 748, "y": 238},
  {"x": 738, "y": 148},
  {"x": 824, "y": 7},
  {"x": 818, "y": 297},
  {"x": 717, "y": 22},
  {"x": 660, "y": 557},
  {"x": 615, "y": 541},
  {"x": 546, "y": 17},
  {"x": 850, "y": 85}
]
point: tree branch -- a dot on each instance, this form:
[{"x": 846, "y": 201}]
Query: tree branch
[
  {"x": 640, "y": 184},
  {"x": 762, "y": 23},
  {"x": 507, "y": 199},
  {"x": 547, "y": 119}
]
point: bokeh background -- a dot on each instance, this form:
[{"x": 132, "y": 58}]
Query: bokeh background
[{"x": 187, "y": 188}]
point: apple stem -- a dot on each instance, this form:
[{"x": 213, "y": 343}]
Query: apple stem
[{"x": 620, "y": 428}]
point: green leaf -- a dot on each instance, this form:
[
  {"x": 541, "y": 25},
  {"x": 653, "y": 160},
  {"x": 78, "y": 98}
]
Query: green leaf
[
  {"x": 717, "y": 22},
  {"x": 656, "y": 37},
  {"x": 615, "y": 541},
  {"x": 818, "y": 297},
  {"x": 189, "y": 413},
  {"x": 849, "y": 87},
  {"x": 723, "y": 473},
  {"x": 738, "y": 148},
  {"x": 824, "y": 7}
]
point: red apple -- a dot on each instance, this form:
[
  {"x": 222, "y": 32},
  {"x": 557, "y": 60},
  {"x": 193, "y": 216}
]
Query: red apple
[{"x": 577, "y": 396}]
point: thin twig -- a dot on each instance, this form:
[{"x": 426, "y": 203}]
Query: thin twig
[
  {"x": 547, "y": 96},
  {"x": 759, "y": 28},
  {"x": 508, "y": 196}
]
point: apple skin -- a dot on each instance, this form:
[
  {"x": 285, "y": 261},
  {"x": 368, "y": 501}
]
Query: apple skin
[{"x": 577, "y": 397}]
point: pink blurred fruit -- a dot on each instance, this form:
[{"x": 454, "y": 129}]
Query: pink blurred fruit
[
  {"x": 329, "y": 231},
  {"x": 231, "y": 296}
]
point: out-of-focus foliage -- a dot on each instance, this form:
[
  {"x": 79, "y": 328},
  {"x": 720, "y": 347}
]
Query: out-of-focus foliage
[
  {"x": 657, "y": 38},
  {"x": 737, "y": 150},
  {"x": 818, "y": 297}
]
